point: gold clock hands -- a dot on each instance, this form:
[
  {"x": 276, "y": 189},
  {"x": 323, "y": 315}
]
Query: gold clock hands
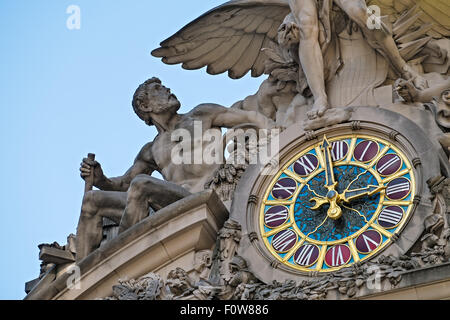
[
  {"x": 334, "y": 212},
  {"x": 318, "y": 199},
  {"x": 326, "y": 148},
  {"x": 349, "y": 195},
  {"x": 319, "y": 202},
  {"x": 333, "y": 198}
]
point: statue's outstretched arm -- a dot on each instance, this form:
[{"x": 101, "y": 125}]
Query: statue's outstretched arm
[
  {"x": 229, "y": 118},
  {"x": 407, "y": 90},
  {"x": 434, "y": 92}
]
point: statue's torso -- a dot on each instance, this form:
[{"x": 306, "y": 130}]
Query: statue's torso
[{"x": 171, "y": 154}]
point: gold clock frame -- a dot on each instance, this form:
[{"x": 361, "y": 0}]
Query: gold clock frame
[
  {"x": 370, "y": 166},
  {"x": 426, "y": 158}
]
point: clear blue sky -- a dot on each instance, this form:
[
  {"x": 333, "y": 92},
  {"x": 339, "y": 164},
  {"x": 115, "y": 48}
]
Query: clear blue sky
[{"x": 66, "y": 93}]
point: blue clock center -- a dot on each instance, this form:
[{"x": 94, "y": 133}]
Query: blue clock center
[{"x": 356, "y": 214}]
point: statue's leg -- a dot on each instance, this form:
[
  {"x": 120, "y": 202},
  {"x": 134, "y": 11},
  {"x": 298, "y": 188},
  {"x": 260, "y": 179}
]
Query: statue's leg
[
  {"x": 306, "y": 15},
  {"x": 96, "y": 205},
  {"x": 380, "y": 38},
  {"x": 145, "y": 192}
]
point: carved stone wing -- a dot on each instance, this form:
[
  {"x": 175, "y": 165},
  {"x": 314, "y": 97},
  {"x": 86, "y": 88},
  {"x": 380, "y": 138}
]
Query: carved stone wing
[
  {"x": 433, "y": 15},
  {"x": 227, "y": 38}
]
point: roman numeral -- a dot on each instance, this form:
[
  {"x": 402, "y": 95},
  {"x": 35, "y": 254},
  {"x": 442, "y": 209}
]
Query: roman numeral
[
  {"x": 279, "y": 187},
  {"x": 337, "y": 258},
  {"x": 338, "y": 150},
  {"x": 306, "y": 164},
  {"x": 388, "y": 164},
  {"x": 304, "y": 258},
  {"x": 276, "y": 216},
  {"x": 401, "y": 187},
  {"x": 367, "y": 241},
  {"x": 283, "y": 241},
  {"x": 361, "y": 158},
  {"x": 390, "y": 216}
]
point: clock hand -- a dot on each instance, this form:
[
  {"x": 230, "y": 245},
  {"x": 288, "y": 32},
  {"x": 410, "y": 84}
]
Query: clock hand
[
  {"x": 334, "y": 212},
  {"x": 326, "y": 147},
  {"x": 349, "y": 195},
  {"x": 333, "y": 198},
  {"x": 319, "y": 202}
]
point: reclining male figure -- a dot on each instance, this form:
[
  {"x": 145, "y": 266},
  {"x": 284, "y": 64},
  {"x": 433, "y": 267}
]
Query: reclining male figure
[{"x": 127, "y": 199}]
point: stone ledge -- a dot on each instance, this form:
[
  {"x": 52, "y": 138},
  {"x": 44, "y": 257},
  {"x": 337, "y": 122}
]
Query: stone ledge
[
  {"x": 428, "y": 283},
  {"x": 182, "y": 227},
  {"x": 54, "y": 255}
]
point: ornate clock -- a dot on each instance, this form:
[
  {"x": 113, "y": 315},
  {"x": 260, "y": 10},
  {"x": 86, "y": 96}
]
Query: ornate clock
[
  {"x": 337, "y": 202},
  {"x": 339, "y": 197}
]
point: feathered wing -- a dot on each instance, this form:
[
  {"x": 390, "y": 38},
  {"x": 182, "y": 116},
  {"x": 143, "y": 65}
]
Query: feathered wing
[
  {"x": 432, "y": 15},
  {"x": 227, "y": 38}
]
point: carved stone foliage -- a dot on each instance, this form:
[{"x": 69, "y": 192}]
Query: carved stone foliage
[
  {"x": 345, "y": 282},
  {"x": 242, "y": 285},
  {"x": 225, "y": 179},
  {"x": 243, "y": 147},
  {"x": 230, "y": 277},
  {"x": 228, "y": 241},
  {"x": 435, "y": 246},
  {"x": 147, "y": 287}
]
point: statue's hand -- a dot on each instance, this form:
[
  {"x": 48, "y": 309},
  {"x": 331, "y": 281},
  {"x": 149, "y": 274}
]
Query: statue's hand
[
  {"x": 418, "y": 80},
  {"x": 406, "y": 90},
  {"x": 87, "y": 166}
]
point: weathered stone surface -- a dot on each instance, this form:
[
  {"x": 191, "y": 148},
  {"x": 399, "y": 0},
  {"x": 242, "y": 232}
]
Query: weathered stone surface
[
  {"x": 54, "y": 255},
  {"x": 186, "y": 226},
  {"x": 171, "y": 236}
]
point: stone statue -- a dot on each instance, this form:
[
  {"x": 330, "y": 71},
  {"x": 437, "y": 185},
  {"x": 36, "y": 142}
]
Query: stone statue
[
  {"x": 127, "y": 199},
  {"x": 410, "y": 93},
  {"x": 307, "y": 17},
  {"x": 323, "y": 61},
  {"x": 436, "y": 99},
  {"x": 232, "y": 37}
]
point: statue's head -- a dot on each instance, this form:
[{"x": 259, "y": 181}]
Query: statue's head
[
  {"x": 289, "y": 32},
  {"x": 152, "y": 98}
]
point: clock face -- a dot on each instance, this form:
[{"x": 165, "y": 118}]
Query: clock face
[{"x": 336, "y": 203}]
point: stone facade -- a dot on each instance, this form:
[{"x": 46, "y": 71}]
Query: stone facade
[{"x": 197, "y": 235}]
